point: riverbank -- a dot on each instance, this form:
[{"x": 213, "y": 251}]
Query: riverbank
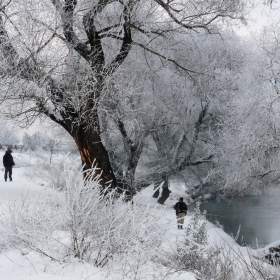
[{"x": 256, "y": 219}]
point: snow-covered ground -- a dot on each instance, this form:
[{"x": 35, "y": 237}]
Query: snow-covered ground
[
  {"x": 16, "y": 265},
  {"x": 19, "y": 265}
]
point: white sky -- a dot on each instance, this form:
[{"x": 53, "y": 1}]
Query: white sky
[{"x": 262, "y": 15}]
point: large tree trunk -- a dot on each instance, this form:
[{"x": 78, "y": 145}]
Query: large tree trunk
[{"x": 92, "y": 153}]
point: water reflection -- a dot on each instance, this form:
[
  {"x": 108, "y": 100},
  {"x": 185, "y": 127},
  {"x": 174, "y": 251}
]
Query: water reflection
[{"x": 259, "y": 218}]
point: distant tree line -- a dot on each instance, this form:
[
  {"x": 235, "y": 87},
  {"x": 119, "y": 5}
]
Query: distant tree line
[
  {"x": 8, "y": 136},
  {"x": 39, "y": 141}
]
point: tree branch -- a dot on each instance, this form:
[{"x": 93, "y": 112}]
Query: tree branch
[
  {"x": 97, "y": 54},
  {"x": 22, "y": 69},
  {"x": 126, "y": 45},
  {"x": 6, "y": 47},
  {"x": 67, "y": 14},
  {"x": 217, "y": 13},
  {"x": 188, "y": 71},
  {"x": 187, "y": 161}
]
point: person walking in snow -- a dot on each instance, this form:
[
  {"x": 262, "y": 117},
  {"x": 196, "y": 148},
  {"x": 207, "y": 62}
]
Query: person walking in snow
[
  {"x": 8, "y": 163},
  {"x": 181, "y": 211}
]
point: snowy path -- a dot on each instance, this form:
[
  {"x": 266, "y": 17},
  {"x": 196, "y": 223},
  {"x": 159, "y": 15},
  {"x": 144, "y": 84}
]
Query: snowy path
[{"x": 20, "y": 184}]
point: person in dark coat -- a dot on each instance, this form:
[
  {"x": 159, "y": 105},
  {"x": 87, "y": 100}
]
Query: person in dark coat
[
  {"x": 8, "y": 163},
  {"x": 181, "y": 211}
]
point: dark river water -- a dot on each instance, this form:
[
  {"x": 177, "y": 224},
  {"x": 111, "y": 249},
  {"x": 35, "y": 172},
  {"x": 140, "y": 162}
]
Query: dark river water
[{"x": 259, "y": 218}]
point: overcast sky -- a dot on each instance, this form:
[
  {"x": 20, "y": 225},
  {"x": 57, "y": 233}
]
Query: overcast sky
[{"x": 261, "y": 16}]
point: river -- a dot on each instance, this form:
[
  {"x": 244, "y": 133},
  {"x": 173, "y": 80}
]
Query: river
[{"x": 257, "y": 216}]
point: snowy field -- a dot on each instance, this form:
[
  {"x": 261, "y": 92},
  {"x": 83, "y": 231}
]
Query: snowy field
[{"x": 23, "y": 264}]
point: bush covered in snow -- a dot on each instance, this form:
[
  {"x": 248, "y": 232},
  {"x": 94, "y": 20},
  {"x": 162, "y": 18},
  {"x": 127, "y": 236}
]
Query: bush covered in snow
[
  {"x": 51, "y": 175},
  {"x": 81, "y": 222},
  {"x": 192, "y": 251}
]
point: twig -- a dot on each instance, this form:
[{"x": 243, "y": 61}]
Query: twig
[
  {"x": 32, "y": 265},
  {"x": 12, "y": 260}
]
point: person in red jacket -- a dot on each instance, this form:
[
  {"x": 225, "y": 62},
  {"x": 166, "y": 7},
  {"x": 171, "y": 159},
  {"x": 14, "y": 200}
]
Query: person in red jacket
[
  {"x": 181, "y": 211},
  {"x": 8, "y": 163}
]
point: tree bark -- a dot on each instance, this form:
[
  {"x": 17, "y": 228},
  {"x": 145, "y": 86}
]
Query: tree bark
[
  {"x": 165, "y": 190},
  {"x": 93, "y": 153}
]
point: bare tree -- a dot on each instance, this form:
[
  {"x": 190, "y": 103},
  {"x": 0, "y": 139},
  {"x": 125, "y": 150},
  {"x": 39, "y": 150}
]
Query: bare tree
[{"x": 39, "y": 38}]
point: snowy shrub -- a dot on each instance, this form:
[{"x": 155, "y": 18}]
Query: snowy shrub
[
  {"x": 81, "y": 222},
  {"x": 193, "y": 251},
  {"x": 52, "y": 175},
  {"x": 236, "y": 263},
  {"x": 28, "y": 223}
]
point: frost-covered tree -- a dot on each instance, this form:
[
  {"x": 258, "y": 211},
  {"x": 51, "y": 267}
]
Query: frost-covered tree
[
  {"x": 57, "y": 56},
  {"x": 39, "y": 141},
  {"x": 166, "y": 121},
  {"x": 8, "y": 135},
  {"x": 32, "y": 142},
  {"x": 247, "y": 139}
]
